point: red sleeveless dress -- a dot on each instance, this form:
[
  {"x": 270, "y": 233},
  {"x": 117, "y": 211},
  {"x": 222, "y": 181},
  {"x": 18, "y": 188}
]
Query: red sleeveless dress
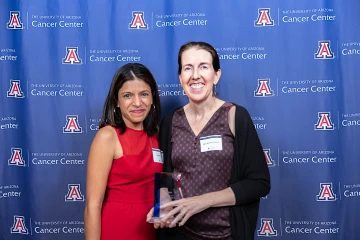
[{"x": 130, "y": 189}]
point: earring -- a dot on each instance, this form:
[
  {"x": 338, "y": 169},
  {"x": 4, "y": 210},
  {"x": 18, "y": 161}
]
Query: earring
[
  {"x": 117, "y": 115},
  {"x": 214, "y": 90},
  {"x": 153, "y": 108}
]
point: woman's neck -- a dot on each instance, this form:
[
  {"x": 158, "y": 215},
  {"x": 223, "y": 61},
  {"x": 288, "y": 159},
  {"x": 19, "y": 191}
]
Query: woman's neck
[{"x": 201, "y": 108}]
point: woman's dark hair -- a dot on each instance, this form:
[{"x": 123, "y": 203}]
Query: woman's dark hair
[
  {"x": 199, "y": 45},
  {"x": 111, "y": 113}
]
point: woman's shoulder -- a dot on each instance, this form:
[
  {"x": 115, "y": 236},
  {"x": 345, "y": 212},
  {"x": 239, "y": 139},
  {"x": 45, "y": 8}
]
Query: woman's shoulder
[
  {"x": 239, "y": 109},
  {"x": 107, "y": 133},
  {"x": 239, "y": 114}
]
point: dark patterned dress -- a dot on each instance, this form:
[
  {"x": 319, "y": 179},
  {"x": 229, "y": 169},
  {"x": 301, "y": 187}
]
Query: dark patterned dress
[{"x": 204, "y": 172}]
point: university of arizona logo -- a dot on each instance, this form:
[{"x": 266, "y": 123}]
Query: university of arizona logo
[
  {"x": 19, "y": 225},
  {"x": 15, "y": 89},
  {"x": 264, "y": 19},
  {"x": 72, "y": 124},
  {"x": 74, "y": 193},
  {"x": 263, "y": 89},
  {"x": 16, "y": 158},
  {"x": 326, "y": 193},
  {"x": 270, "y": 162},
  {"x": 267, "y": 228},
  {"x": 138, "y": 21},
  {"x": 324, "y": 122},
  {"x": 14, "y": 21},
  {"x": 324, "y": 51},
  {"x": 72, "y": 56}
]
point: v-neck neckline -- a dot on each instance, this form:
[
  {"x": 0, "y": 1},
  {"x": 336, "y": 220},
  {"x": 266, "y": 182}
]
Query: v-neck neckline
[{"x": 205, "y": 126}]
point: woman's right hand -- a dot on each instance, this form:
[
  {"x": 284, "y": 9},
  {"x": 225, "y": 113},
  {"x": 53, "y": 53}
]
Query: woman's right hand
[
  {"x": 156, "y": 221},
  {"x": 164, "y": 198}
]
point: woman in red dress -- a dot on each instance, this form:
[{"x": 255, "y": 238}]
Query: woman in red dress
[{"x": 123, "y": 158}]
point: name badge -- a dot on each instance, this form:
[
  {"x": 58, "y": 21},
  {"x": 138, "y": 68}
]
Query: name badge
[
  {"x": 211, "y": 143},
  {"x": 158, "y": 155}
]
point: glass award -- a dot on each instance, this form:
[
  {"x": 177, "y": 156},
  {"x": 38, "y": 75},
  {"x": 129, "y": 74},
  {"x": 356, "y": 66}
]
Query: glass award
[{"x": 167, "y": 188}]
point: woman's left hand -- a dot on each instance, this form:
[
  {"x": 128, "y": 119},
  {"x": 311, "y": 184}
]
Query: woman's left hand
[{"x": 184, "y": 208}]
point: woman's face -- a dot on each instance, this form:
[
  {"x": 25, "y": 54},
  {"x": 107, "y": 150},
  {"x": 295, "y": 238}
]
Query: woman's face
[
  {"x": 197, "y": 74},
  {"x": 134, "y": 101}
]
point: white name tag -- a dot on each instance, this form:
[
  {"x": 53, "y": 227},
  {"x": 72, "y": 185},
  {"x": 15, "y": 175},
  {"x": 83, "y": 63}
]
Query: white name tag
[
  {"x": 158, "y": 155},
  {"x": 211, "y": 143}
]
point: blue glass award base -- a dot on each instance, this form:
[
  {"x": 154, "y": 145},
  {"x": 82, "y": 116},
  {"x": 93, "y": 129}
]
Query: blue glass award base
[{"x": 167, "y": 188}]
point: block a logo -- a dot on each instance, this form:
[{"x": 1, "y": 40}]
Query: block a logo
[
  {"x": 14, "y": 21},
  {"x": 264, "y": 19},
  {"x": 324, "y": 51},
  {"x": 19, "y": 225},
  {"x": 267, "y": 228},
  {"x": 324, "y": 122},
  {"x": 263, "y": 89},
  {"x": 74, "y": 194},
  {"x": 138, "y": 21},
  {"x": 72, "y": 56},
  {"x": 270, "y": 162},
  {"x": 16, "y": 158},
  {"x": 72, "y": 124},
  {"x": 326, "y": 193},
  {"x": 15, "y": 89}
]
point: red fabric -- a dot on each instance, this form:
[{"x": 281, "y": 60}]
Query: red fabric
[{"x": 130, "y": 189}]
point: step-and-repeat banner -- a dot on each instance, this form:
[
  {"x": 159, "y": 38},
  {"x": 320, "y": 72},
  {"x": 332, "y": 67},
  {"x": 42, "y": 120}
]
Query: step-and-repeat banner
[{"x": 293, "y": 64}]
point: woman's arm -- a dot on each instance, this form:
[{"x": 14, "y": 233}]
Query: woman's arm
[
  {"x": 101, "y": 155},
  {"x": 250, "y": 164}
]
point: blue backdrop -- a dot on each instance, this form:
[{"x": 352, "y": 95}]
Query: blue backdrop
[{"x": 292, "y": 64}]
